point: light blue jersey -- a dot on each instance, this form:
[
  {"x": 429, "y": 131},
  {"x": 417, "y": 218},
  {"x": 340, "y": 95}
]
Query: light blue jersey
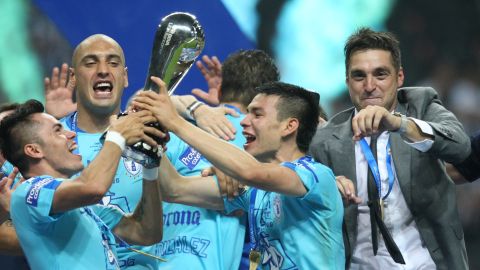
[
  {"x": 125, "y": 192},
  {"x": 76, "y": 239},
  {"x": 193, "y": 237},
  {"x": 298, "y": 232}
]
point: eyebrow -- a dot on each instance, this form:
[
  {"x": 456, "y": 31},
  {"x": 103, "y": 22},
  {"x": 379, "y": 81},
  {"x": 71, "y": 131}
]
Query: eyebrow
[
  {"x": 96, "y": 57},
  {"x": 57, "y": 125}
]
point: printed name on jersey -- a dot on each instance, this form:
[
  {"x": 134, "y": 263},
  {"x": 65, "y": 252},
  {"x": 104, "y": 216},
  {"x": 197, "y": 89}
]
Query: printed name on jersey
[
  {"x": 190, "y": 157},
  {"x": 37, "y": 184},
  {"x": 184, "y": 244}
]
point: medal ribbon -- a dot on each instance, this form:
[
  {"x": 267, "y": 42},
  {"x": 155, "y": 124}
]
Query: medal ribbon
[{"x": 373, "y": 165}]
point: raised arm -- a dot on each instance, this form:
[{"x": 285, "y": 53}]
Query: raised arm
[
  {"x": 228, "y": 158},
  {"x": 96, "y": 178},
  {"x": 145, "y": 225},
  {"x": 210, "y": 119},
  {"x": 195, "y": 190}
]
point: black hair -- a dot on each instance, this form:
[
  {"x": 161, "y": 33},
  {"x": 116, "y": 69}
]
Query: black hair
[
  {"x": 17, "y": 130},
  {"x": 367, "y": 39}
]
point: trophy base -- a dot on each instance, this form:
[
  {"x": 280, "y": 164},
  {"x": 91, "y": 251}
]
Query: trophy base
[{"x": 143, "y": 154}]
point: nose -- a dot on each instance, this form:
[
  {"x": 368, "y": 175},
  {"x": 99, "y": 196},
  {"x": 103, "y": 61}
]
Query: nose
[
  {"x": 370, "y": 84},
  {"x": 70, "y": 134},
  {"x": 102, "y": 69},
  {"x": 246, "y": 121}
]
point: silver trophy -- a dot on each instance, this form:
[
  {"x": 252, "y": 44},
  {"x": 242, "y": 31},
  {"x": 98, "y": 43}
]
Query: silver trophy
[{"x": 178, "y": 41}]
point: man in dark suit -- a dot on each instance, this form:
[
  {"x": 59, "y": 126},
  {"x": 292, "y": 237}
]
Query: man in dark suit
[{"x": 401, "y": 180}]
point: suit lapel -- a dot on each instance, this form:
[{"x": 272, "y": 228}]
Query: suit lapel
[
  {"x": 344, "y": 163},
  {"x": 402, "y": 161}
]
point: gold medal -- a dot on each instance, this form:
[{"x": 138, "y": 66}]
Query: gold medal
[
  {"x": 382, "y": 208},
  {"x": 254, "y": 258}
]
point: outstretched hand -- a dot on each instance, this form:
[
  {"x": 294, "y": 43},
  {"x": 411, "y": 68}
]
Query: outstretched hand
[
  {"x": 213, "y": 121},
  {"x": 229, "y": 187},
  {"x": 59, "y": 92},
  {"x": 212, "y": 72}
]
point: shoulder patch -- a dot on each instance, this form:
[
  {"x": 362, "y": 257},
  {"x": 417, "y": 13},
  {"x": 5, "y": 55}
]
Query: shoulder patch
[{"x": 37, "y": 185}]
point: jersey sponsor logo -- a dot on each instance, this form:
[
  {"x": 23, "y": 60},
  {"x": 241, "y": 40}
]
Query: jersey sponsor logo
[
  {"x": 176, "y": 218},
  {"x": 190, "y": 158},
  {"x": 132, "y": 167},
  {"x": 37, "y": 185},
  {"x": 184, "y": 244}
]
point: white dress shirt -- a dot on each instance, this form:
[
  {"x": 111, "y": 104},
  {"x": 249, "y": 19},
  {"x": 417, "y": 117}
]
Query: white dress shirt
[{"x": 397, "y": 216}]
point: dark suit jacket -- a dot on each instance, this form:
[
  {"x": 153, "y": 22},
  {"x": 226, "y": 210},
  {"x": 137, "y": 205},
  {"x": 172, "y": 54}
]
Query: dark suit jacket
[{"x": 428, "y": 191}]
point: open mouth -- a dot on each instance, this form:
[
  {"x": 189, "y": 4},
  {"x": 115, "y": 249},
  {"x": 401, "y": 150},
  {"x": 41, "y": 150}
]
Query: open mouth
[
  {"x": 72, "y": 147},
  {"x": 103, "y": 88},
  {"x": 250, "y": 138}
]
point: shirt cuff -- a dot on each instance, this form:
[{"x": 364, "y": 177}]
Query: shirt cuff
[{"x": 425, "y": 145}]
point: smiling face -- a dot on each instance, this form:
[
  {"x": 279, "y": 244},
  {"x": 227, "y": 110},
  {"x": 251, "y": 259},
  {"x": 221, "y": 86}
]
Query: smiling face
[
  {"x": 372, "y": 79},
  {"x": 261, "y": 128},
  {"x": 100, "y": 75},
  {"x": 57, "y": 144}
]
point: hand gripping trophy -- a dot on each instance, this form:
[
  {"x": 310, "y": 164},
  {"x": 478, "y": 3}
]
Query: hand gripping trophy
[{"x": 178, "y": 41}]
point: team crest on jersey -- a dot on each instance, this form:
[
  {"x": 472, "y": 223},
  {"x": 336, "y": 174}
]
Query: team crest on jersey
[{"x": 132, "y": 167}]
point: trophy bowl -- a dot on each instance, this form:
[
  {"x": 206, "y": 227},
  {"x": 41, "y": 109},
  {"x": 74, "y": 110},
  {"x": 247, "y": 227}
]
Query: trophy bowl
[{"x": 179, "y": 40}]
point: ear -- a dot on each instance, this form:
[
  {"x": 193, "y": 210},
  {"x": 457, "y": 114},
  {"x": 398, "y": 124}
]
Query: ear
[
  {"x": 290, "y": 126},
  {"x": 400, "y": 77},
  {"x": 33, "y": 150},
  {"x": 125, "y": 83}
]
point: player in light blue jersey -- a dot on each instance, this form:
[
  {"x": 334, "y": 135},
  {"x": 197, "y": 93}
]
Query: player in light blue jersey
[
  {"x": 100, "y": 76},
  {"x": 198, "y": 238},
  {"x": 290, "y": 193},
  {"x": 55, "y": 225}
]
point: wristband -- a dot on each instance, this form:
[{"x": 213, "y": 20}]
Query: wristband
[
  {"x": 150, "y": 174},
  {"x": 192, "y": 107},
  {"x": 116, "y": 138}
]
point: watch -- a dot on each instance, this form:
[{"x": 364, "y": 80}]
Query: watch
[{"x": 403, "y": 124}]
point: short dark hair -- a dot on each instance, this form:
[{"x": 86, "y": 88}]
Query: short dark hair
[
  {"x": 367, "y": 39},
  {"x": 18, "y": 129},
  {"x": 8, "y": 107},
  {"x": 296, "y": 102},
  {"x": 244, "y": 70}
]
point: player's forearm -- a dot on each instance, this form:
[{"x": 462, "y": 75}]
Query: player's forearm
[
  {"x": 144, "y": 226},
  {"x": 181, "y": 103},
  {"x": 92, "y": 184},
  {"x": 196, "y": 191},
  {"x": 223, "y": 155},
  {"x": 100, "y": 172}
]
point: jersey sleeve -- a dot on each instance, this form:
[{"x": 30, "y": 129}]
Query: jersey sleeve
[
  {"x": 320, "y": 184},
  {"x": 110, "y": 215},
  {"x": 38, "y": 199}
]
